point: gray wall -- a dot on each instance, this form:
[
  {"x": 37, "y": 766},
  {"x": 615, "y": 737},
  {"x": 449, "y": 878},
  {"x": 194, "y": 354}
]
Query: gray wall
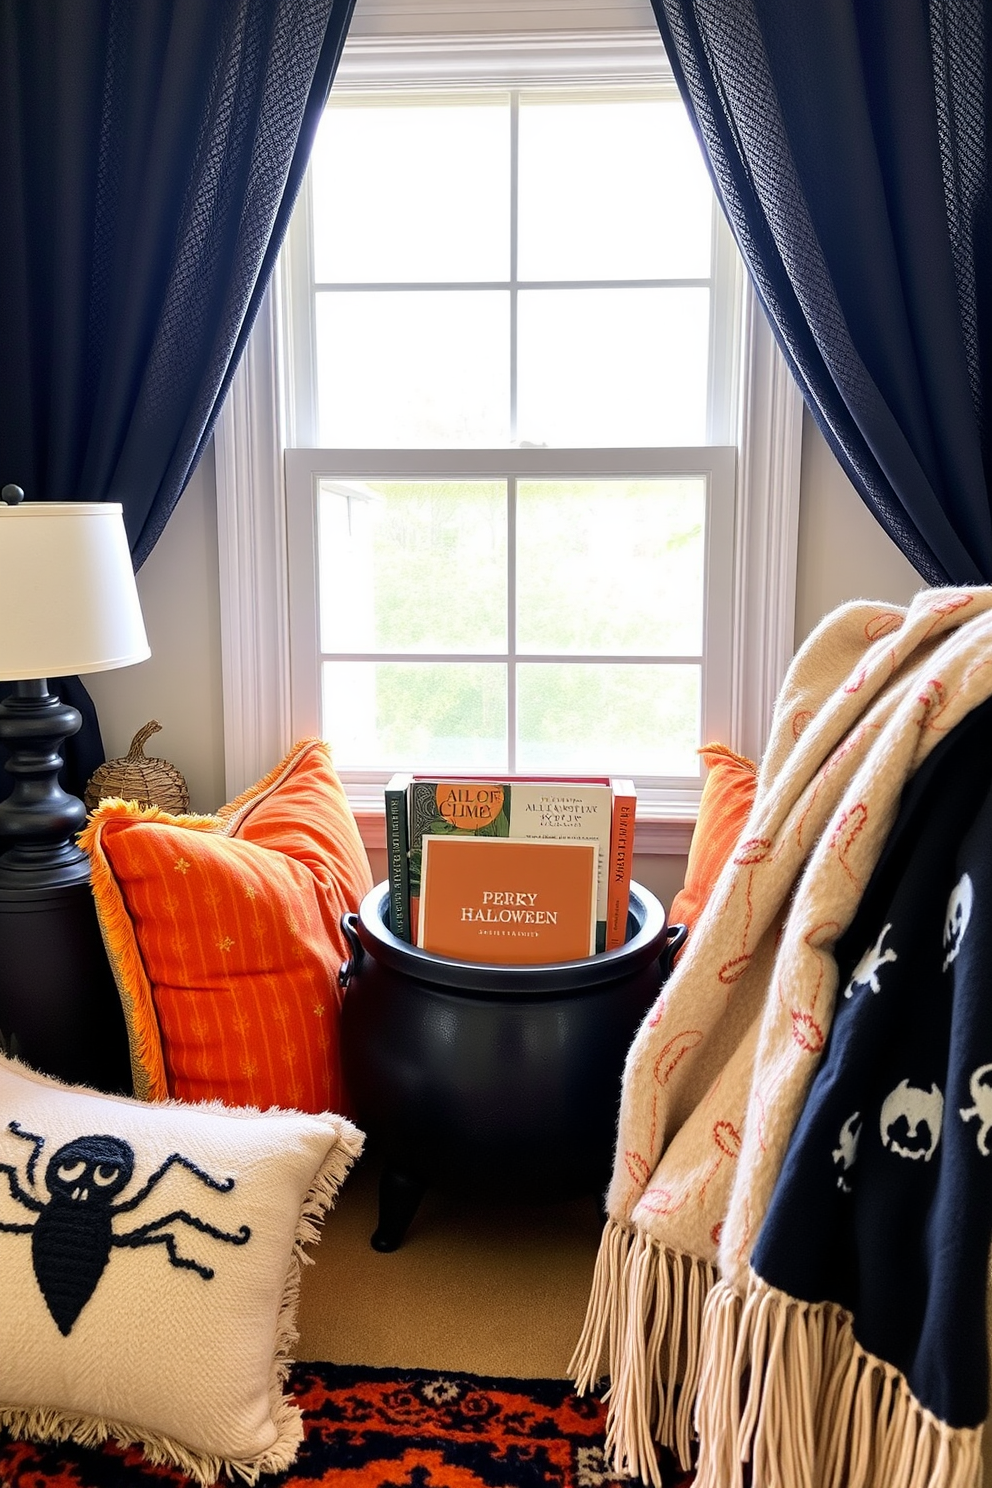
[{"x": 180, "y": 684}]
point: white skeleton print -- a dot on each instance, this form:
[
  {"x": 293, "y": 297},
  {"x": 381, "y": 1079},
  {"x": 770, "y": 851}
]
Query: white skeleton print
[
  {"x": 847, "y": 1150},
  {"x": 981, "y": 1094},
  {"x": 958, "y": 915},
  {"x": 917, "y": 1108},
  {"x": 865, "y": 974}
]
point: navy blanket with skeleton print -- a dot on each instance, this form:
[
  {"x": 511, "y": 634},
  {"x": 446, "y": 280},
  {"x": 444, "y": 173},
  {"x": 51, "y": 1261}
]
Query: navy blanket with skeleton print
[{"x": 884, "y": 1202}]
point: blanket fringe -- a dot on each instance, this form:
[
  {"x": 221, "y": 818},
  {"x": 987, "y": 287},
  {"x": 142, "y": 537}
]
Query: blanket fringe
[
  {"x": 787, "y": 1387},
  {"x": 643, "y": 1327}
]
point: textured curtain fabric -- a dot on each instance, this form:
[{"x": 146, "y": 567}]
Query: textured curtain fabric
[
  {"x": 848, "y": 142},
  {"x": 150, "y": 153}
]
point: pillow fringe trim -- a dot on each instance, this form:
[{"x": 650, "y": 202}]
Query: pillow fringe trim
[
  {"x": 161, "y": 1451},
  {"x": 46, "y": 1424},
  {"x": 725, "y": 752},
  {"x": 319, "y": 1199},
  {"x": 230, "y": 816},
  {"x": 144, "y": 1035},
  {"x": 787, "y": 1387},
  {"x": 645, "y": 1320}
]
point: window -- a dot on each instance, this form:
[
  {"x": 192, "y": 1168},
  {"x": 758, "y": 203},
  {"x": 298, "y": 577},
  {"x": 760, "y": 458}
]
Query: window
[
  {"x": 538, "y": 611},
  {"x": 514, "y": 483},
  {"x": 520, "y": 291}
]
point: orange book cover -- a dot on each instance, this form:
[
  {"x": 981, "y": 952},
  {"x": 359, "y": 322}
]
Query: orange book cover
[
  {"x": 509, "y": 901},
  {"x": 621, "y": 861}
]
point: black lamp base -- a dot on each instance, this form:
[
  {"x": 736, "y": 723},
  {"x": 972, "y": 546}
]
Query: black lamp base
[
  {"x": 60, "y": 1010},
  {"x": 59, "y": 1006},
  {"x": 38, "y": 820}
]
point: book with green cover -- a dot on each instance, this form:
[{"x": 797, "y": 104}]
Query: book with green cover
[
  {"x": 398, "y": 855},
  {"x": 557, "y": 810}
]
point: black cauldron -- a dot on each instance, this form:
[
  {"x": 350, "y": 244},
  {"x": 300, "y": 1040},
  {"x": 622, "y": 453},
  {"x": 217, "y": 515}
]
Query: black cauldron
[{"x": 506, "y": 1079}]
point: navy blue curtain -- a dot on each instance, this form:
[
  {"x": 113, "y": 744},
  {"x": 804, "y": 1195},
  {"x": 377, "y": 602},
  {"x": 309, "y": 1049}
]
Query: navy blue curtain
[
  {"x": 848, "y": 143},
  {"x": 150, "y": 155}
]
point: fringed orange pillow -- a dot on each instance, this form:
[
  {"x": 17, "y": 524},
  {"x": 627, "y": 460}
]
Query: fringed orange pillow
[
  {"x": 724, "y": 807},
  {"x": 225, "y": 937}
]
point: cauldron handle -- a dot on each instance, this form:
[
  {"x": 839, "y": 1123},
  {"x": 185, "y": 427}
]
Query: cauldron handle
[
  {"x": 349, "y": 924},
  {"x": 675, "y": 939}
]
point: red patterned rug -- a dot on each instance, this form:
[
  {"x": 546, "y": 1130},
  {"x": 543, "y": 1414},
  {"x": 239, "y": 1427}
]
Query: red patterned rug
[{"x": 379, "y": 1428}]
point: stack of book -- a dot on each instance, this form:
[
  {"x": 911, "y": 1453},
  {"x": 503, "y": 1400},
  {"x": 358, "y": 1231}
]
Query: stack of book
[{"x": 512, "y": 869}]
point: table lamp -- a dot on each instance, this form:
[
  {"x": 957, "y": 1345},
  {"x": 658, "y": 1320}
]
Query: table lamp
[{"x": 70, "y": 606}]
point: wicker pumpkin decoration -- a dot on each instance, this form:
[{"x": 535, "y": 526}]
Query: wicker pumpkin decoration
[{"x": 136, "y": 777}]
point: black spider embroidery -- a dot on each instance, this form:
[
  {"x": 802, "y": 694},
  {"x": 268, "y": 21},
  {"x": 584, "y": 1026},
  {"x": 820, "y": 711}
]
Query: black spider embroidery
[{"x": 73, "y": 1235}]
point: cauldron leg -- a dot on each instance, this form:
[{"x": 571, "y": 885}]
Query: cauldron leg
[{"x": 399, "y": 1198}]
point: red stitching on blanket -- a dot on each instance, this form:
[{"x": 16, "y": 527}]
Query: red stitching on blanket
[
  {"x": 732, "y": 970},
  {"x": 882, "y": 624},
  {"x": 662, "y": 1201},
  {"x": 752, "y": 850},
  {"x": 850, "y": 826},
  {"x": 942, "y": 607},
  {"x": 853, "y": 741},
  {"x": 932, "y": 699},
  {"x": 935, "y": 707},
  {"x": 877, "y": 627},
  {"x": 674, "y": 1052},
  {"x": 637, "y": 1167},
  {"x": 806, "y": 1031},
  {"x": 654, "y": 1121},
  {"x": 759, "y": 1125},
  {"x": 857, "y": 681},
  {"x": 745, "y": 1244},
  {"x": 728, "y": 1142},
  {"x": 823, "y": 934},
  {"x": 658, "y": 1011},
  {"x": 727, "y": 1138},
  {"x": 948, "y": 606}
]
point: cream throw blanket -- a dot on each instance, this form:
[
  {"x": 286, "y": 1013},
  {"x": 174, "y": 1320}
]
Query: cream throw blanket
[{"x": 718, "y": 1073}]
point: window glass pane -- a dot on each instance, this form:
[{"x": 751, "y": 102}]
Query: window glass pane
[
  {"x": 412, "y": 194},
  {"x": 612, "y": 190},
  {"x": 611, "y": 566},
  {"x": 412, "y": 566},
  {"x": 405, "y": 369},
  {"x": 618, "y": 720},
  {"x": 613, "y": 366},
  {"x": 414, "y": 715}
]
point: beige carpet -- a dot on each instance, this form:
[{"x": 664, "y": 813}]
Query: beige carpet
[{"x": 486, "y": 1286}]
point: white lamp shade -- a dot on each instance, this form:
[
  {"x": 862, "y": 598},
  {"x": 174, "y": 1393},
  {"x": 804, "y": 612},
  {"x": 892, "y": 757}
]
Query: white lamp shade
[{"x": 68, "y": 600}]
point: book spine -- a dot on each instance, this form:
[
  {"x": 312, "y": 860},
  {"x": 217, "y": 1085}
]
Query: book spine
[
  {"x": 621, "y": 860},
  {"x": 398, "y": 860}
]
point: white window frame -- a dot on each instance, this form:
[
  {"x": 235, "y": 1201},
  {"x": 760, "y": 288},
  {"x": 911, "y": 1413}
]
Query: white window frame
[
  {"x": 306, "y": 469},
  {"x": 256, "y": 426}
]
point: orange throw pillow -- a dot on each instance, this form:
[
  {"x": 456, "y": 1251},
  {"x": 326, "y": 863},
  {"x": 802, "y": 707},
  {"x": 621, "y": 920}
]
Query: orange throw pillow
[
  {"x": 225, "y": 936},
  {"x": 724, "y": 807}
]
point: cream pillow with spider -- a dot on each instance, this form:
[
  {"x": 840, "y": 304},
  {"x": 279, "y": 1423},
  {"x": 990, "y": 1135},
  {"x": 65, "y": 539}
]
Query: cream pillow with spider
[{"x": 150, "y": 1256}]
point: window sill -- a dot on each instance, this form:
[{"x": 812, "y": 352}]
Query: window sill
[{"x": 657, "y": 832}]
